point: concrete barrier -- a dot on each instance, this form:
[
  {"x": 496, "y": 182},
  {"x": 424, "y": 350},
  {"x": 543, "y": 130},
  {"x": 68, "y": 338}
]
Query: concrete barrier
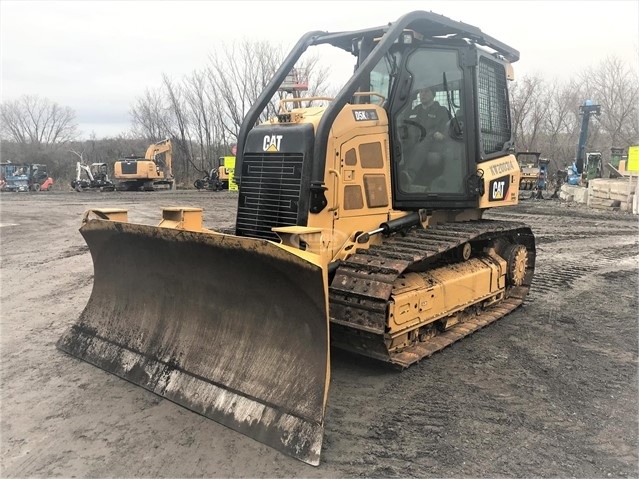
[{"x": 605, "y": 193}]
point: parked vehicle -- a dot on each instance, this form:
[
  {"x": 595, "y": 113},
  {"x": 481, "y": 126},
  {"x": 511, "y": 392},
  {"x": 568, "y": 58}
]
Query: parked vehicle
[
  {"x": 146, "y": 173},
  {"x": 33, "y": 177},
  {"x": 218, "y": 178},
  {"x": 534, "y": 172},
  {"x": 95, "y": 176},
  {"x": 586, "y": 166}
]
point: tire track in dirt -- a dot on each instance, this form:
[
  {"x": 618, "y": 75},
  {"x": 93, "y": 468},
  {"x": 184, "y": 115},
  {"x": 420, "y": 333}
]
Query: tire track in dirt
[
  {"x": 477, "y": 394},
  {"x": 381, "y": 439},
  {"x": 547, "y": 391}
]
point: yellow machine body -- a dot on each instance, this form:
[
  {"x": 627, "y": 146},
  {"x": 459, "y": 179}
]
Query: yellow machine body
[
  {"x": 155, "y": 169},
  {"x": 339, "y": 240}
]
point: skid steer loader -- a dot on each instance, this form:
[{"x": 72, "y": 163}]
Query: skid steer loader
[{"x": 355, "y": 227}]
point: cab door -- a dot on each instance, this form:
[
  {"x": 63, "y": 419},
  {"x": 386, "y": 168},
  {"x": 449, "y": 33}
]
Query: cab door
[{"x": 433, "y": 164}]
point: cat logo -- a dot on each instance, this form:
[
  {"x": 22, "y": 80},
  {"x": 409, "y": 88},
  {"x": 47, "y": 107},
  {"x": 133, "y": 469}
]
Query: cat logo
[
  {"x": 272, "y": 142},
  {"x": 498, "y": 188}
]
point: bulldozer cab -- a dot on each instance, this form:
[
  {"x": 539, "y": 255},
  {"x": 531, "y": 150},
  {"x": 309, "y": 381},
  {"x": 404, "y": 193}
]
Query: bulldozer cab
[
  {"x": 437, "y": 144},
  {"x": 432, "y": 88}
]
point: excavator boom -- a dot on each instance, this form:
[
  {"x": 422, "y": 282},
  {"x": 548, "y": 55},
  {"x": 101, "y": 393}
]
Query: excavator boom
[{"x": 162, "y": 147}]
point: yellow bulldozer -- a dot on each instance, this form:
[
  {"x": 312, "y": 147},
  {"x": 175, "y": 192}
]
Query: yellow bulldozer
[
  {"x": 152, "y": 171},
  {"x": 356, "y": 227}
]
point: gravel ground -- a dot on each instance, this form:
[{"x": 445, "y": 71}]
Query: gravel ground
[{"x": 547, "y": 391}]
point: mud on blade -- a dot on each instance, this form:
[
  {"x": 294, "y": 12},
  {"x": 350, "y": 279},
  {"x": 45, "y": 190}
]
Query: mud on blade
[{"x": 233, "y": 328}]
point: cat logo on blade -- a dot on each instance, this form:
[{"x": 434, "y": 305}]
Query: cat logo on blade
[
  {"x": 498, "y": 188},
  {"x": 365, "y": 115},
  {"x": 272, "y": 142}
]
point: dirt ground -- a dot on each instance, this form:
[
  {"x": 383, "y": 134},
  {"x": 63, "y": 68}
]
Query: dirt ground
[{"x": 551, "y": 390}]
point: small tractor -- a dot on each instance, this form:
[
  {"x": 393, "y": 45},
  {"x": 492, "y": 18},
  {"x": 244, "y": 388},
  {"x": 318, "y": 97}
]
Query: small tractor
[{"x": 96, "y": 177}]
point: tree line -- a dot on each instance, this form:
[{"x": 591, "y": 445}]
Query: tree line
[
  {"x": 546, "y": 117},
  {"x": 202, "y": 113}
]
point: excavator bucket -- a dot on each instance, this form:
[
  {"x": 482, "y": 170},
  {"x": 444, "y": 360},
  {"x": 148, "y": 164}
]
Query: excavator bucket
[{"x": 233, "y": 328}]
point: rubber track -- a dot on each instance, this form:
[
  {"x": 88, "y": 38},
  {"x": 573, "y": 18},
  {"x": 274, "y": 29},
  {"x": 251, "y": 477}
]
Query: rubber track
[{"x": 363, "y": 284}]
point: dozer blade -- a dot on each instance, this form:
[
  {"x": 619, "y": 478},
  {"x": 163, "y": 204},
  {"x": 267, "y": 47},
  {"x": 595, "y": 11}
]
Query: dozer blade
[{"x": 233, "y": 328}]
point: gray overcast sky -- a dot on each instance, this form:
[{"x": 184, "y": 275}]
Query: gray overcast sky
[{"x": 98, "y": 57}]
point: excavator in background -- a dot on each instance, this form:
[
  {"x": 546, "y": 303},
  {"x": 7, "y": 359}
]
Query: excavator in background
[
  {"x": 146, "y": 173},
  {"x": 534, "y": 172},
  {"x": 587, "y": 165},
  {"x": 96, "y": 176},
  {"x": 593, "y": 168},
  {"x": 356, "y": 226}
]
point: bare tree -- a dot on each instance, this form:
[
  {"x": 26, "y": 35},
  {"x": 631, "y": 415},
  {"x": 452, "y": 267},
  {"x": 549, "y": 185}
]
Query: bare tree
[
  {"x": 202, "y": 118},
  {"x": 529, "y": 110},
  {"x": 182, "y": 132},
  {"x": 546, "y": 116},
  {"x": 80, "y": 155},
  {"x": 238, "y": 76},
  {"x": 34, "y": 120},
  {"x": 562, "y": 123},
  {"x": 203, "y": 112},
  {"x": 615, "y": 86},
  {"x": 108, "y": 150},
  {"x": 151, "y": 118}
]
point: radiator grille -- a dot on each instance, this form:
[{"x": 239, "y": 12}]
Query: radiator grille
[
  {"x": 129, "y": 168},
  {"x": 270, "y": 189}
]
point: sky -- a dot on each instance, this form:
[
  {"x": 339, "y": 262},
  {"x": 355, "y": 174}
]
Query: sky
[{"x": 98, "y": 57}]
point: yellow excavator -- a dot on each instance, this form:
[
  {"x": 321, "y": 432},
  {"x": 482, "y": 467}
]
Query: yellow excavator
[
  {"x": 146, "y": 173},
  {"x": 356, "y": 227}
]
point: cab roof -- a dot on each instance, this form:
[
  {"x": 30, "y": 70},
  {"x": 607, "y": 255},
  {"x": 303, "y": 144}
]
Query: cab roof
[{"x": 428, "y": 24}]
